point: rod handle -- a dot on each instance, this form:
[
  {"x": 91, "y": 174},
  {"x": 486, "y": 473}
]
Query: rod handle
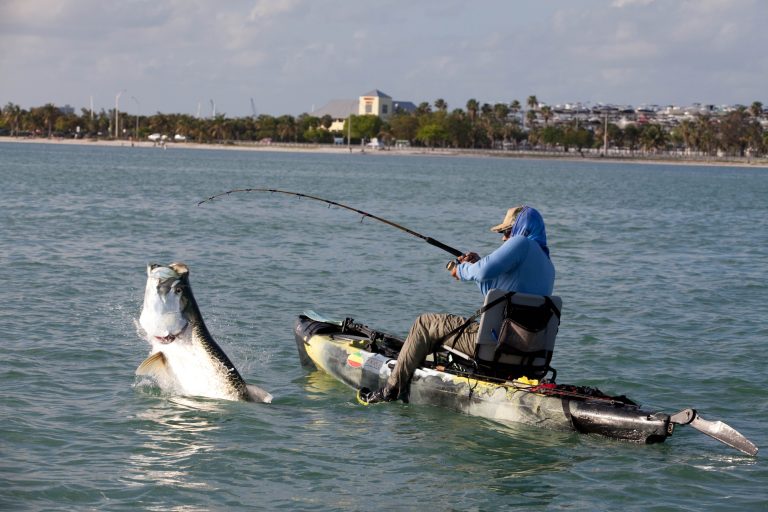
[{"x": 441, "y": 245}]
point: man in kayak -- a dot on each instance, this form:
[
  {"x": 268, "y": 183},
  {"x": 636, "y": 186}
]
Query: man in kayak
[{"x": 520, "y": 264}]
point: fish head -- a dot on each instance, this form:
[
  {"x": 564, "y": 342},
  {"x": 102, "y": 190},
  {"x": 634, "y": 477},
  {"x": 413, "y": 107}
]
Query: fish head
[{"x": 165, "y": 314}]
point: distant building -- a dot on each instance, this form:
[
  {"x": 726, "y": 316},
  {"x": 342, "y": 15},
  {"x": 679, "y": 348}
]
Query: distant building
[
  {"x": 404, "y": 106},
  {"x": 374, "y": 103}
]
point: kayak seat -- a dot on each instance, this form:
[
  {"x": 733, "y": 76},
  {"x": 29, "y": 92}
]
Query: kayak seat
[{"x": 516, "y": 337}]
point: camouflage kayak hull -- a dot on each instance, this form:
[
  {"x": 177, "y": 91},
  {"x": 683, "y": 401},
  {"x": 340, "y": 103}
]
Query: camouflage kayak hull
[{"x": 350, "y": 356}]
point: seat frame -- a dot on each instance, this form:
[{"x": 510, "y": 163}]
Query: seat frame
[{"x": 487, "y": 358}]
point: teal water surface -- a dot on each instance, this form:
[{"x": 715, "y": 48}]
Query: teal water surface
[{"x": 661, "y": 270}]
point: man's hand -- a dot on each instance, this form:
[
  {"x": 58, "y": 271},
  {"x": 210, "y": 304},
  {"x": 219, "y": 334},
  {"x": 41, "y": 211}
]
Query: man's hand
[{"x": 470, "y": 257}]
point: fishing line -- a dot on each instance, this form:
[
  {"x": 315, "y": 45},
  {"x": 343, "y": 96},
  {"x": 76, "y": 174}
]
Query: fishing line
[{"x": 428, "y": 239}]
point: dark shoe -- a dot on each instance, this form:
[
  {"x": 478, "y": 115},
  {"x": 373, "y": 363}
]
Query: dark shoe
[{"x": 367, "y": 397}]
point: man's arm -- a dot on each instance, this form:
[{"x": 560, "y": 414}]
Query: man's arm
[{"x": 505, "y": 258}]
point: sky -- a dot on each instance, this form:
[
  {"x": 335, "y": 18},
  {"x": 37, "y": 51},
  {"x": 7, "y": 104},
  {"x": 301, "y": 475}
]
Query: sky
[{"x": 293, "y": 56}]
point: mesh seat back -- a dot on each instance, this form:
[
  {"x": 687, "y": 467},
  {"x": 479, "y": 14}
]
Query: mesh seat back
[{"x": 524, "y": 346}]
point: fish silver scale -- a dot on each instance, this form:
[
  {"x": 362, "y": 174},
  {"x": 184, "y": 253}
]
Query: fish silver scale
[{"x": 233, "y": 377}]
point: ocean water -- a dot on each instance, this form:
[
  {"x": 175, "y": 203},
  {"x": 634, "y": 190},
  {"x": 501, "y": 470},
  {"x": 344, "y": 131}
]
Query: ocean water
[{"x": 662, "y": 271}]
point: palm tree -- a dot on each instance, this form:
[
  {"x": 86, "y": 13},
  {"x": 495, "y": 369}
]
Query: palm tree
[
  {"x": 286, "y": 128},
  {"x": 631, "y": 137},
  {"x": 686, "y": 130},
  {"x": 219, "y": 128},
  {"x": 704, "y": 134},
  {"x": 755, "y": 139},
  {"x": 514, "y": 108},
  {"x": 487, "y": 121},
  {"x": 185, "y": 126},
  {"x": 756, "y": 109},
  {"x": 12, "y": 115},
  {"x": 441, "y": 105},
  {"x": 501, "y": 112},
  {"x": 423, "y": 108},
  {"x": 196, "y": 129},
  {"x": 160, "y": 123},
  {"x": 459, "y": 130},
  {"x": 734, "y": 132},
  {"x": 530, "y": 117},
  {"x": 546, "y": 113},
  {"x": 266, "y": 127},
  {"x": 533, "y": 104},
  {"x": 653, "y": 138},
  {"x": 472, "y": 107},
  {"x": 50, "y": 112}
]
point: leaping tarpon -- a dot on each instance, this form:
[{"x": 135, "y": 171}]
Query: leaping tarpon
[{"x": 185, "y": 359}]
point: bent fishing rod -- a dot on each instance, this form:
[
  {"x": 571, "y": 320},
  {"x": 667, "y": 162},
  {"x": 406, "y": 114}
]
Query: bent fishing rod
[{"x": 428, "y": 239}]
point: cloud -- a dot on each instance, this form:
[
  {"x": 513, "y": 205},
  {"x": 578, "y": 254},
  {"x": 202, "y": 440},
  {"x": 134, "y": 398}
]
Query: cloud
[
  {"x": 630, "y": 3},
  {"x": 289, "y": 54},
  {"x": 270, "y": 8}
]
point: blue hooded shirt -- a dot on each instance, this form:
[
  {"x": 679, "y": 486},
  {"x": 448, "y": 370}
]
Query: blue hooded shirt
[
  {"x": 520, "y": 264},
  {"x": 530, "y": 224}
]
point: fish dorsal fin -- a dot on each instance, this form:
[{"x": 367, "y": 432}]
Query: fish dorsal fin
[
  {"x": 256, "y": 394},
  {"x": 153, "y": 366}
]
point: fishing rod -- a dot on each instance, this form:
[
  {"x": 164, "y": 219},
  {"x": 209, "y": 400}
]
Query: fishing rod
[{"x": 428, "y": 239}]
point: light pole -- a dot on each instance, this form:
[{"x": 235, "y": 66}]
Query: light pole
[
  {"x": 138, "y": 113},
  {"x": 117, "y": 112}
]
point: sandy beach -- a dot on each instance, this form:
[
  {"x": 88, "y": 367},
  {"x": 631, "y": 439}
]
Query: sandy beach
[{"x": 594, "y": 156}]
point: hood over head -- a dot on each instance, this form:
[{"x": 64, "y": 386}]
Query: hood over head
[{"x": 525, "y": 221}]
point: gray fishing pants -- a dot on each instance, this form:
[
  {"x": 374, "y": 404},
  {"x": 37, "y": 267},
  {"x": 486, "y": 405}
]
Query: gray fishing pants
[{"x": 426, "y": 335}]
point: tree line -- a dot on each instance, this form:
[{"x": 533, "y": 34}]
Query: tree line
[{"x": 478, "y": 125}]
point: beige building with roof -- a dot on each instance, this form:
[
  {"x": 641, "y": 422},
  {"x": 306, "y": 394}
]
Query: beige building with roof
[{"x": 374, "y": 103}]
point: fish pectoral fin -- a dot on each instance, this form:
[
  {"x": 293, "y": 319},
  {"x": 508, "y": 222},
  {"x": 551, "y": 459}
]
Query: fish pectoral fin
[
  {"x": 153, "y": 366},
  {"x": 256, "y": 394}
]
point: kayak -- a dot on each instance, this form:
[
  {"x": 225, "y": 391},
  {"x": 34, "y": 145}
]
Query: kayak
[{"x": 364, "y": 358}]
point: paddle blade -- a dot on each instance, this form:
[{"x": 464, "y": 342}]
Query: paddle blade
[{"x": 312, "y": 315}]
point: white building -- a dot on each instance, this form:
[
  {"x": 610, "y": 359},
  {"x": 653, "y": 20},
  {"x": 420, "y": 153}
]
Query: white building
[{"x": 374, "y": 103}]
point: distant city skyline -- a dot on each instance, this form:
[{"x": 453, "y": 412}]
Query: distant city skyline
[
  {"x": 693, "y": 107},
  {"x": 293, "y": 56}
]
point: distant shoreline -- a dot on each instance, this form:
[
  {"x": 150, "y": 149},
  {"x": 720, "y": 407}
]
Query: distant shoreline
[{"x": 573, "y": 155}]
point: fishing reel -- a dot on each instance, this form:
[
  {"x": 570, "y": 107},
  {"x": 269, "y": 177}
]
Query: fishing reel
[{"x": 451, "y": 265}]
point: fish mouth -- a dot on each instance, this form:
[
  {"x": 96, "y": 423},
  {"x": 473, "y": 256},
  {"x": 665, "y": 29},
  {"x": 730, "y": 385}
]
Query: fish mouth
[{"x": 165, "y": 340}]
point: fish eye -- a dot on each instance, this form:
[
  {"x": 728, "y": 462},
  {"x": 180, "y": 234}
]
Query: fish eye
[{"x": 177, "y": 291}]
